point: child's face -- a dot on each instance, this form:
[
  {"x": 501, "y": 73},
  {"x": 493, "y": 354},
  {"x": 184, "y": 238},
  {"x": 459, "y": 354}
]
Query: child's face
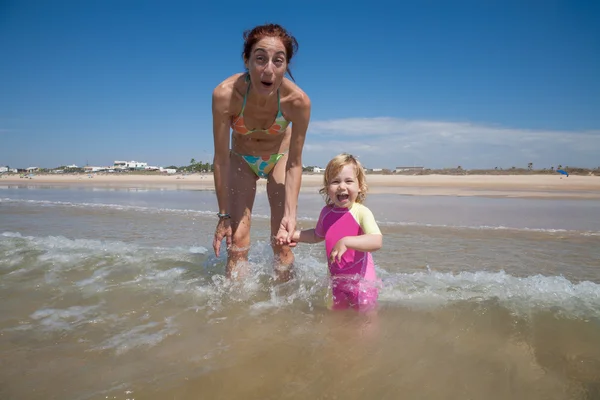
[{"x": 343, "y": 189}]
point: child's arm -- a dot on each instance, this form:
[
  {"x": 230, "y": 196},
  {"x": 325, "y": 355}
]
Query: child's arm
[
  {"x": 306, "y": 236},
  {"x": 366, "y": 243},
  {"x": 309, "y": 235},
  {"x": 371, "y": 240}
]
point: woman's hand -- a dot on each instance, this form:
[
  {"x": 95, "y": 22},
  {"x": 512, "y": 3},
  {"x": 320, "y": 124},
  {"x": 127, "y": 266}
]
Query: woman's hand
[
  {"x": 287, "y": 228},
  {"x": 223, "y": 230}
]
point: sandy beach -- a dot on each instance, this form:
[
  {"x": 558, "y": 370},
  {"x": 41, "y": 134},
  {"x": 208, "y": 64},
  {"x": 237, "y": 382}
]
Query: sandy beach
[{"x": 522, "y": 186}]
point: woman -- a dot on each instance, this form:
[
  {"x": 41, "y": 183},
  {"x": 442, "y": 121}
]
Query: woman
[{"x": 268, "y": 116}]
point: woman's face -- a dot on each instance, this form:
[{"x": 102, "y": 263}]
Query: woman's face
[{"x": 267, "y": 65}]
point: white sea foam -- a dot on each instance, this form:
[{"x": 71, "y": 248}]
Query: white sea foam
[
  {"x": 199, "y": 284},
  {"x": 146, "y": 335},
  {"x": 53, "y": 319},
  {"x": 519, "y": 294}
]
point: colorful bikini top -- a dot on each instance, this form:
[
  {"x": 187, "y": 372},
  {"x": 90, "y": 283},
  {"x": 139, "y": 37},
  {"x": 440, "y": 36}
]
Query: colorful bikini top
[{"x": 279, "y": 126}]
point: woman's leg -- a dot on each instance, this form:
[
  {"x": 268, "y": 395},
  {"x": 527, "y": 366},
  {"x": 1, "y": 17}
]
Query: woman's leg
[
  {"x": 242, "y": 191},
  {"x": 283, "y": 256}
]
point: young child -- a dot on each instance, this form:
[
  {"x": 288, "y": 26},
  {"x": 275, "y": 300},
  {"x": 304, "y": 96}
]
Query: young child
[{"x": 350, "y": 233}]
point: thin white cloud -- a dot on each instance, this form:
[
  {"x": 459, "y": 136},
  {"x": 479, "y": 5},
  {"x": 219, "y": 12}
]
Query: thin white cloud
[{"x": 386, "y": 142}]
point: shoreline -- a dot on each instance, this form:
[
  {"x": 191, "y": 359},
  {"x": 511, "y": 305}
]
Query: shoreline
[{"x": 514, "y": 186}]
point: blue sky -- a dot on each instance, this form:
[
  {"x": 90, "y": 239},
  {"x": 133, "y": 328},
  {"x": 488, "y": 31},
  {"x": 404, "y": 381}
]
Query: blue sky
[{"x": 436, "y": 83}]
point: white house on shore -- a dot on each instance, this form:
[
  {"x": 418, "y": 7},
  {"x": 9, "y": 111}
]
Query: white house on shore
[
  {"x": 317, "y": 170},
  {"x": 89, "y": 168},
  {"x": 130, "y": 165},
  {"x": 409, "y": 169}
]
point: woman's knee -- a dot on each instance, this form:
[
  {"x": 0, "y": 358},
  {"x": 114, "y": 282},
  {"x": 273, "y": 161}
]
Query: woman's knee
[
  {"x": 240, "y": 242},
  {"x": 283, "y": 252}
]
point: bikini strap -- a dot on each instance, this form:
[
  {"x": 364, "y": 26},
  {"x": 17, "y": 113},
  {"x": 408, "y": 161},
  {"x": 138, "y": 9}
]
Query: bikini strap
[
  {"x": 246, "y": 95},
  {"x": 279, "y": 114}
]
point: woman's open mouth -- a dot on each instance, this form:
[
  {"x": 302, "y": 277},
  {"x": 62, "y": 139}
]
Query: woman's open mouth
[{"x": 267, "y": 84}]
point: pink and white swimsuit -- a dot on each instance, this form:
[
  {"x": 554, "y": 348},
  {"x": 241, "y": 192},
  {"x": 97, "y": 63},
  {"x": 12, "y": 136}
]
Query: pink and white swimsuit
[{"x": 353, "y": 278}]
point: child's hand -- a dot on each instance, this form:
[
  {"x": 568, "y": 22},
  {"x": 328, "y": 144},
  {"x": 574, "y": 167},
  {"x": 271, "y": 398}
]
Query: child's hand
[
  {"x": 338, "y": 251},
  {"x": 294, "y": 240}
]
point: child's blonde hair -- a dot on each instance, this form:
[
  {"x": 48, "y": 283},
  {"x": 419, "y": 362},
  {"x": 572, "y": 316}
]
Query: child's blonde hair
[{"x": 334, "y": 167}]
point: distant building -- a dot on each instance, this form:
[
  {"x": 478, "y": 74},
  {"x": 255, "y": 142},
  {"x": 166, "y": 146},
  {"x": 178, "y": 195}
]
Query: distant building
[
  {"x": 89, "y": 168},
  {"x": 130, "y": 165},
  {"x": 316, "y": 169},
  {"x": 409, "y": 169}
]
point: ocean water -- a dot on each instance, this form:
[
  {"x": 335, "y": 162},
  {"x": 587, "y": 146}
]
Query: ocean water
[{"x": 116, "y": 294}]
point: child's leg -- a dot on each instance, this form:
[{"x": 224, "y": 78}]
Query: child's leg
[
  {"x": 340, "y": 298},
  {"x": 366, "y": 300},
  {"x": 367, "y": 306},
  {"x": 356, "y": 293}
]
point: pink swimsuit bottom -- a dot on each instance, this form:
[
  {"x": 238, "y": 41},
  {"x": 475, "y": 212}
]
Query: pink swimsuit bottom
[{"x": 353, "y": 292}]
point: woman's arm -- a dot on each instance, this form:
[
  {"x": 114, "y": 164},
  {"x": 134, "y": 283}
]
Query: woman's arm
[
  {"x": 220, "y": 105},
  {"x": 300, "y": 117},
  {"x": 221, "y": 98}
]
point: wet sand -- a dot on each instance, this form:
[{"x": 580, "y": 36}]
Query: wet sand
[{"x": 521, "y": 186}]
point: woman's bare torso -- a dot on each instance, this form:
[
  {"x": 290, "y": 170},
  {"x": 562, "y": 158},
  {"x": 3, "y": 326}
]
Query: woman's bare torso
[{"x": 257, "y": 116}]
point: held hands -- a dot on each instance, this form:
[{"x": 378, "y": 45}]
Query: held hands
[
  {"x": 223, "y": 230},
  {"x": 338, "y": 251},
  {"x": 287, "y": 230}
]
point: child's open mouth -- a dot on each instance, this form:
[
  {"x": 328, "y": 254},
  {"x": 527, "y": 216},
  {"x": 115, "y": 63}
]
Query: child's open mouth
[{"x": 342, "y": 197}]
